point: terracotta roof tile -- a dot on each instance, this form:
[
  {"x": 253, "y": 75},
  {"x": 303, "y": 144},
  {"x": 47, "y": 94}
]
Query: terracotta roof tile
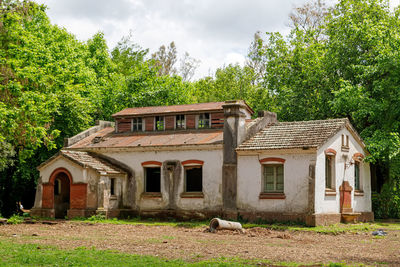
[
  {"x": 89, "y": 160},
  {"x": 298, "y": 134},
  {"x": 106, "y": 138}
]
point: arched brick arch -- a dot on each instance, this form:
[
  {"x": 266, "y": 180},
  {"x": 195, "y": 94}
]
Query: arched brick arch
[
  {"x": 48, "y": 188},
  {"x": 58, "y": 171},
  {"x": 78, "y": 191},
  {"x": 358, "y": 156},
  {"x": 271, "y": 159}
]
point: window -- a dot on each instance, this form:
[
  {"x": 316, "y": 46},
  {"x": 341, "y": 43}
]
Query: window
[
  {"x": 194, "y": 179},
  {"x": 159, "y": 123},
  {"x": 152, "y": 179},
  {"x": 357, "y": 176},
  {"x": 137, "y": 124},
  {"x": 329, "y": 171},
  {"x": 180, "y": 122},
  {"x": 112, "y": 186},
  {"x": 345, "y": 143},
  {"x": 273, "y": 178},
  {"x": 204, "y": 121},
  {"x": 57, "y": 187}
]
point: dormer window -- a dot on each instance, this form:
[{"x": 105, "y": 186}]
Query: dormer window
[
  {"x": 180, "y": 122},
  {"x": 204, "y": 121},
  {"x": 137, "y": 125},
  {"x": 159, "y": 123}
]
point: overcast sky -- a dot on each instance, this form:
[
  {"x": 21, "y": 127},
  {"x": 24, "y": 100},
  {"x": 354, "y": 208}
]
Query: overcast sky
[{"x": 217, "y": 32}]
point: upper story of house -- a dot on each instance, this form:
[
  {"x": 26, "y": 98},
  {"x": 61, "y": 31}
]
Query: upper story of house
[{"x": 173, "y": 118}]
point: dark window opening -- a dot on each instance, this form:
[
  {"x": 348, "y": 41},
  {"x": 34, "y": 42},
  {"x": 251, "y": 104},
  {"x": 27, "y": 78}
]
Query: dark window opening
[
  {"x": 357, "y": 176},
  {"x": 180, "y": 122},
  {"x": 112, "y": 186},
  {"x": 194, "y": 179},
  {"x": 137, "y": 124},
  {"x": 159, "y": 123},
  {"x": 153, "y": 179},
  {"x": 204, "y": 121},
  {"x": 329, "y": 171},
  {"x": 57, "y": 187}
]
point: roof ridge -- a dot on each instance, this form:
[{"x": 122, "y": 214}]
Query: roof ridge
[
  {"x": 214, "y": 102},
  {"x": 311, "y": 121}
]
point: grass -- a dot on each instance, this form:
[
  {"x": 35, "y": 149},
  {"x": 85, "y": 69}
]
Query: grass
[
  {"x": 289, "y": 226},
  {"x": 140, "y": 221},
  {"x": 15, "y": 254}
]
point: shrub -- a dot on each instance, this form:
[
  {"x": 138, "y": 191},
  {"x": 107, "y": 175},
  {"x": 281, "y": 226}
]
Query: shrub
[{"x": 15, "y": 219}]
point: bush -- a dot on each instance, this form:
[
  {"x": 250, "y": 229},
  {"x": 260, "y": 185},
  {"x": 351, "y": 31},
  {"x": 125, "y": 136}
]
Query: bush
[
  {"x": 387, "y": 204},
  {"x": 15, "y": 219}
]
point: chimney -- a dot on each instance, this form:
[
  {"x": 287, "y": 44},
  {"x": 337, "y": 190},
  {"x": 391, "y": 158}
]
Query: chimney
[{"x": 234, "y": 135}]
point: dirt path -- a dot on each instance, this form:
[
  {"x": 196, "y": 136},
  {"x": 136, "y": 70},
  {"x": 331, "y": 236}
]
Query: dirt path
[{"x": 196, "y": 244}]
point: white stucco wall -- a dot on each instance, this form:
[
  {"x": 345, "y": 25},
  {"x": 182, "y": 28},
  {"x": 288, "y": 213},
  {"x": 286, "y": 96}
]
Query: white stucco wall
[
  {"x": 212, "y": 177},
  {"x": 250, "y": 178},
  {"x": 331, "y": 204},
  {"x": 79, "y": 175}
]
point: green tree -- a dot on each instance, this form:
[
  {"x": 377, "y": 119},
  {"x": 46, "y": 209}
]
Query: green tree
[{"x": 47, "y": 81}]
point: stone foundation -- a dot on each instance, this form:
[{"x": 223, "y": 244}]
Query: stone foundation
[
  {"x": 323, "y": 219},
  {"x": 366, "y": 217},
  {"x": 73, "y": 213},
  {"x": 334, "y": 218},
  {"x": 271, "y": 216},
  {"x": 44, "y": 213}
]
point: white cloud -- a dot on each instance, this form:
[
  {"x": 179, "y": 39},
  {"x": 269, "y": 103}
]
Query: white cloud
[{"x": 217, "y": 32}]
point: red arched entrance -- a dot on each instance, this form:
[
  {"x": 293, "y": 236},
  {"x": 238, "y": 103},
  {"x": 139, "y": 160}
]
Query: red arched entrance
[{"x": 56, "y": 193}]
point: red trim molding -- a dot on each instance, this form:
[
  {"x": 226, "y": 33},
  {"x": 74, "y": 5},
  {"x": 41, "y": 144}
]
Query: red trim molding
[
  {"x": 192, "y": 162},
  {"x": 272, "y": 196},
  {"x": 358, "y": 157},
  {"x": 330, "y": 151},
  {"x": 151, "y": 162},
  {"x": 264, "y": 160},
  {"x": 56, "y": 172}
]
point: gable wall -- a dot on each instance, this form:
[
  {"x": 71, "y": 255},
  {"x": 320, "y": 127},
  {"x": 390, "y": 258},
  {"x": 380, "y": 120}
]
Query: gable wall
[
  {"x": 76, "y": 171},
  {"x": 331, "y": 204}
]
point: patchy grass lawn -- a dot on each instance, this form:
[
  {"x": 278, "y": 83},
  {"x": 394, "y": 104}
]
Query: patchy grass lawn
[
  {"x": 290, "y": 226},
  {"x": 137, "y": 242},
  {"x": 14, "y": 254}
]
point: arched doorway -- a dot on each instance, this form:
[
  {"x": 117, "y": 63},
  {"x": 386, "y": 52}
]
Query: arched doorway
[{"x": 61, "y": 194}]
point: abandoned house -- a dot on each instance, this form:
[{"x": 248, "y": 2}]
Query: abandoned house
[{"x": 209, "y": 159}]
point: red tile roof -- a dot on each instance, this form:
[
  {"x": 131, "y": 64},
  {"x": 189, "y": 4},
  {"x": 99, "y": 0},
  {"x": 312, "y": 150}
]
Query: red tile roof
[
  {"x": 106, "y": 138},
  {"x": 202, "y": 107},
  {"x": 86, "y": 159},
  {"x": 297, "y": 134}
]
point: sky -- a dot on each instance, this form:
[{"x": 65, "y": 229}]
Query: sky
[{"x": 216, "y": 32}]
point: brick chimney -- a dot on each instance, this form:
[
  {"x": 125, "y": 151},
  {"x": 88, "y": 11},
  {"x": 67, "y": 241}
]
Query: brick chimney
[{"x": 234, "y": 135}]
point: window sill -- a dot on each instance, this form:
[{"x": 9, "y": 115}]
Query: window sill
[
  {"x": 151, "y": 195},
  {"x": 330, "y": 192},
  {"x": 192, "y": 195},
  {"x": 358, "y": 193},
  {"x": 272, "y": 196}
]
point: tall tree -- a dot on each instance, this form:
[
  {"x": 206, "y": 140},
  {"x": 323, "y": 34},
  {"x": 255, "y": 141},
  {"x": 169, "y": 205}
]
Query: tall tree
[
  {"x": 188, "y": 66},
  {"x": 165, "y": 59}
]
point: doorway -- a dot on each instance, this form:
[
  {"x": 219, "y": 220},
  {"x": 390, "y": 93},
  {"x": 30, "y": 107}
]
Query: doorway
[{"x": 61, "y": 195}]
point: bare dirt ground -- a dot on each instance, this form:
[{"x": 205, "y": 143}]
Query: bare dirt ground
[{"x": 197, "y": 244}]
